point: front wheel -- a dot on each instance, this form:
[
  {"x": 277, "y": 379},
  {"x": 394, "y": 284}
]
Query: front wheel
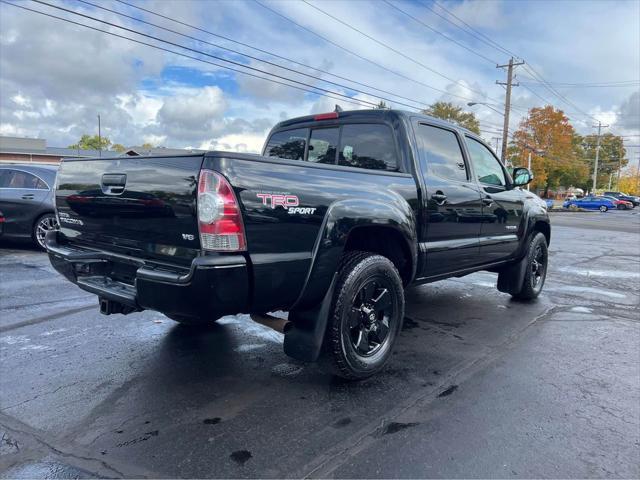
[
  {"x": 603, "y": 208},
  {"x": 44, "y": 224},
  {"x": 368, "y": 308},
  {"x": 536, "y": 268},
  {"x": 622, "y": 207}
]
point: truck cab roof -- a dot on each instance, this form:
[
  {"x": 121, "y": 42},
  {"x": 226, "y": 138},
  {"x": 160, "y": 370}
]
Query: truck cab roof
[{"x": 364, "y": 116}]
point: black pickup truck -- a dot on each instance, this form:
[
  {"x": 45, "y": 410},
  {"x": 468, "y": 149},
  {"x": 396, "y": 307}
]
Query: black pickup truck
[{"x": 340, "y": 213}]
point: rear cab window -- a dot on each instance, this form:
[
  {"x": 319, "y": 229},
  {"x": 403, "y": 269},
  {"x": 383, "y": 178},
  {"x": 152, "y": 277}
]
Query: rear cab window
[
  {"x": 289, "y": 144},
  {"x": 323, "y": 145},
  {"x": 370, "y": 146}
]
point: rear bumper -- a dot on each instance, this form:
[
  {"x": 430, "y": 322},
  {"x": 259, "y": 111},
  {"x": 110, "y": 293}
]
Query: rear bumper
[{"x": 213, "y": 286}]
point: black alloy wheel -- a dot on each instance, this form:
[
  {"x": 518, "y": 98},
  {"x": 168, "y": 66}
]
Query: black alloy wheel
[
  {"x": 371, "y": 311},
  {"x": 538, "y": 268}
]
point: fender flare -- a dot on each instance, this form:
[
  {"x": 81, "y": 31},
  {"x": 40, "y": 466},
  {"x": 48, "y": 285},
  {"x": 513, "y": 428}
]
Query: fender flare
[{"x": 341, "y": 218}]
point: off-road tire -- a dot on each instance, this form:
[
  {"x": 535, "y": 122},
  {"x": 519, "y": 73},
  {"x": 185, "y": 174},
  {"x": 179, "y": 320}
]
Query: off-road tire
[
  {"x": 531, "y": 287},
  {"x": 357, "y": 270}
]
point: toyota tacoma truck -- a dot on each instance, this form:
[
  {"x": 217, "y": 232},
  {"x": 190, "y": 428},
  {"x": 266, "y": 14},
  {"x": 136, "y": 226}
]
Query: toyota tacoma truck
[{"x": 340, "y": 213}]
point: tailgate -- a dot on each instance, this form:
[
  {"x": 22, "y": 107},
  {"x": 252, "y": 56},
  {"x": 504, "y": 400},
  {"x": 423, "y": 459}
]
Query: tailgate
[{"x": 139, "y": 206}]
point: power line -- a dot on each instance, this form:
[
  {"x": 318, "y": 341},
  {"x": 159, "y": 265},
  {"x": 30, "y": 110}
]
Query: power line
[
  {"x": 417, "y": 20},
  {"x": 253, "y": 48},
  {"x": 201, "y": 52},
  {"x": 396, "y": 51},
  {"x": 487, "y": 40},
  {"x": 350, "y": 100},
  {"x": 357, "y": 55},
  {"x": 252, "y": 57},
  {"x": 536, "y": 75}
]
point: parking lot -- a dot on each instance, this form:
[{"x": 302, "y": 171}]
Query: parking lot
[{"x": 480, "y": 386}]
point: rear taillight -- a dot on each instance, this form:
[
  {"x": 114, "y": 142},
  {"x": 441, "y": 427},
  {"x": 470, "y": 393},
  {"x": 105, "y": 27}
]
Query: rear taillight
[{"x": 219, "y": 218}]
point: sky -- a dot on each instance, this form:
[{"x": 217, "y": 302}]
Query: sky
[{"x": 56, "y": 77}]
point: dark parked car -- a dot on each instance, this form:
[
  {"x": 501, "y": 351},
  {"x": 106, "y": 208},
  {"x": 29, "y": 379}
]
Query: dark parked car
[
  {"x": 624, "y": 196},
  {"x": 619, "y": 203},
  {"x": 27, "y": 202},
  {"x": 340, "y": 214}
]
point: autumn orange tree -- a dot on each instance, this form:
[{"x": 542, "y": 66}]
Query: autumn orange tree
[{"x": 556, "y": 151}]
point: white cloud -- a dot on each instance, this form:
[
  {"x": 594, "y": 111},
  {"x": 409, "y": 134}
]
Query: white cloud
[{"x": 56, "y": 78}]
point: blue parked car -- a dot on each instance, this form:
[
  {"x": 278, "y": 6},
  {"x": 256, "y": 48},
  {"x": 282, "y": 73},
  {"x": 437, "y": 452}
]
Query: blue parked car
[{"x": 591, "y": 203}]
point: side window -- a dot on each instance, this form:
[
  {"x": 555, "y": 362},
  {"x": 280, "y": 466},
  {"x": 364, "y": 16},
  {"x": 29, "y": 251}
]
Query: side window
[
  {"x": 441, "y": 151},
  {"x": 5, "y": 177},
  {"x": 368, "y": 146},
  {"x": 20, "y": 179},
  {"x": 40, "y": 185},
  {"x": 289, "y": 144},
  {"x": 323, "y": 144},
  {"x": 486, "y": 165}
]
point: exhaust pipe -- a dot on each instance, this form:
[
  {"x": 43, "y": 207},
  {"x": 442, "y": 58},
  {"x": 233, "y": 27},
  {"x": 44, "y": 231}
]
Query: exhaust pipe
[{"x": 278, "y": 324}]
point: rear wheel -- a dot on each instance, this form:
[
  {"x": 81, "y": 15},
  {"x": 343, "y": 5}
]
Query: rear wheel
[
  {"x": 368, "y": 309},
  {"x": 44, "y": 224},
  {"x": 622, "y": 207},
  {"x": 603, "y": 208}
]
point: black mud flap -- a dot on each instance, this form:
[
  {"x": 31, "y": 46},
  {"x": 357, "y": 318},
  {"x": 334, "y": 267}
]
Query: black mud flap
[
  {"x": 511, "y": 278},
  {"x": 304, "y": 340}
]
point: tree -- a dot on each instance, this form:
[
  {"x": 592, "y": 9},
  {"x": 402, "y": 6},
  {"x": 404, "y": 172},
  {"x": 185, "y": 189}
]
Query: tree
[
  {"x": 89, "y": 142},
  {"x": 612, "y": 156},
  {"x": 454, "y": 114},
  {"x": 381, "y": 106},
  {"x": 556, "y": 156},
  {"x": 630, "y": 182},
  {"x": 118, "y": 147}
]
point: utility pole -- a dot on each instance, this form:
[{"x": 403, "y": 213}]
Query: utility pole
[
  {"x": 507, "y": 103},
  {"x": 595, "y": 168},
  {"x": 99, "y": 138}
]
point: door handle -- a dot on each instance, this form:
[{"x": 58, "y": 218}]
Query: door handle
[
  {"x": 487, "y": 201},
  {"x": 439, "y": 198},
  {"x": 27, "y": 196}
]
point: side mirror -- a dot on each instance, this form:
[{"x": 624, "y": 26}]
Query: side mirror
[{"x": 521, "y": 176}]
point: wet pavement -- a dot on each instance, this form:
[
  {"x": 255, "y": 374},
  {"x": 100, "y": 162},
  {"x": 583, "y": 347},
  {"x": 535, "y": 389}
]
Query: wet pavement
[{"x": 479, "y": 385}]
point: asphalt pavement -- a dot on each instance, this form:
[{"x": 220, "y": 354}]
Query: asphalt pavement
[{"x": 479, "y": 385}]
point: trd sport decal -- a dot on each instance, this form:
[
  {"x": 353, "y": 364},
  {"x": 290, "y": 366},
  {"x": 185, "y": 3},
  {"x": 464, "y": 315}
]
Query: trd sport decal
[{"x": 288, "y": 202}]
